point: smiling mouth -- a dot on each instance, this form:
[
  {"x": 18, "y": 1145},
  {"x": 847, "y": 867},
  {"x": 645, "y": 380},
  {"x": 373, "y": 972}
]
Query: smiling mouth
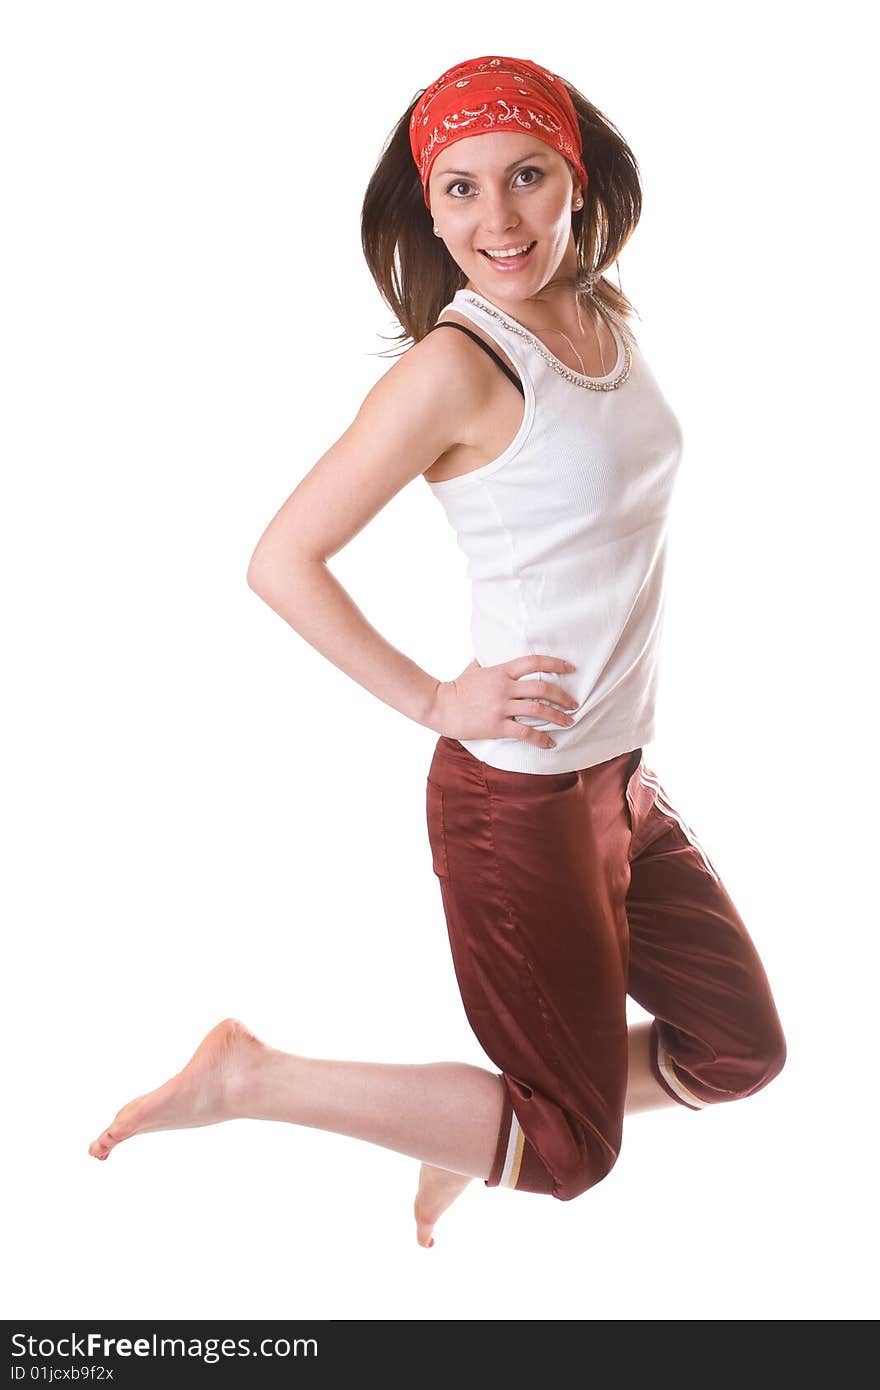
[{"x": 530, "y": 247}]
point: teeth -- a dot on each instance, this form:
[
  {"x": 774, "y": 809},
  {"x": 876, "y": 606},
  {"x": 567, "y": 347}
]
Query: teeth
[{"x": 497, "y": 255}]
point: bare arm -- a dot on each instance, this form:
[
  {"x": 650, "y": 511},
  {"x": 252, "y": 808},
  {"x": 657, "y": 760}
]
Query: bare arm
[
  {"x": 413, "y": 414},
  {"x": 312, "y": 600}
]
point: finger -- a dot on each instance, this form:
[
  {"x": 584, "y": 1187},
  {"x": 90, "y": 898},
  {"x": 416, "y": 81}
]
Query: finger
[
  {"x": 523, "y": 665},
  {"x": 542, "y": 711},
  {"x": 529, "y": 735},
  {"x": 544, "y": 690},
  {"x": 556, "y": 716},
  {"x": 564, "y": 697}
]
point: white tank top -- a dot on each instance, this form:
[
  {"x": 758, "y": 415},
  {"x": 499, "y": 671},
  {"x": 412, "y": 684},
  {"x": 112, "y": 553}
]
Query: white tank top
[{"x": 565, "y": 536}]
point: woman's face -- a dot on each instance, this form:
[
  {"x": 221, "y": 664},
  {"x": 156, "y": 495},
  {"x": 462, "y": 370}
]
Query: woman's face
[{"x": 502, "y": 190}]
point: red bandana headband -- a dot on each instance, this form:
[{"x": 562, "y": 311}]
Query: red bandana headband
[{"x": 487, "y": 94}]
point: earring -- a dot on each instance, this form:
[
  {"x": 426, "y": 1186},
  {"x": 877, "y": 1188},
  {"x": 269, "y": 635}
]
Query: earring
[
  {"x": 437, "y": 231},
  {"x": 578, "y": 205}
]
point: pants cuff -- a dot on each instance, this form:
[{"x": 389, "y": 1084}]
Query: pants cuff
[
  {"x": 509, "y": 1149},
  {"x": 666, "y": 1075}
]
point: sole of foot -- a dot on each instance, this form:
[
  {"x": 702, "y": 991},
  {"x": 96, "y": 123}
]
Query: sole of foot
[
  {"x": 438, "y": 1189},
  {"x": 204, "y": 1092}
]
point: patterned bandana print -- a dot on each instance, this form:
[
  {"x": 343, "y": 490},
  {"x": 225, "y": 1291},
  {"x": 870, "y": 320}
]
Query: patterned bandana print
[{"x": 486, "y": 94}]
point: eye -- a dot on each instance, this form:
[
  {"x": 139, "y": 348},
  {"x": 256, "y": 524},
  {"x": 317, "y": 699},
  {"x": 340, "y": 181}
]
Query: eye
[{"x": 529, "y": 169}]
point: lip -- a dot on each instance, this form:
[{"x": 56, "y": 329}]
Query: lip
[{"x": 509, "y": 265}]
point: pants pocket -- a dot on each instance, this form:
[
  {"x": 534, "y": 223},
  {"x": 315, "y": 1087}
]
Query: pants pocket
[{"x": 434, "y": 805}]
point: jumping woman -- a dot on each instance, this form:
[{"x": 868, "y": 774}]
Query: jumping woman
[{"x": 568, "y": 878}]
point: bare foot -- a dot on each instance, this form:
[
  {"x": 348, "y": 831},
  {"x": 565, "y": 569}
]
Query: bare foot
[
  {"x": 203, "y": 1093},
  {"x": 438, "y": 1189}
]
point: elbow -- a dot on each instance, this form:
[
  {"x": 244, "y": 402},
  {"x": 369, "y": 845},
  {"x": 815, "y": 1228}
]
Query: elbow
[
  {"x": 263, "y": 565},
  {"x": 253, "y": 574},
  {"x": 267, "y": 569}
]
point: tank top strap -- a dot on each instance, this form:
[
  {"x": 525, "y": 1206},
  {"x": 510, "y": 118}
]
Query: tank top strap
[
  {"x": 532, "y": 358},
  {"x": 490, "y": 352},
  {"x": 509, "y": 343}
]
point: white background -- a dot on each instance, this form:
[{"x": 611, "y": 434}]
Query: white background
[{"x": 203, "y": 817}]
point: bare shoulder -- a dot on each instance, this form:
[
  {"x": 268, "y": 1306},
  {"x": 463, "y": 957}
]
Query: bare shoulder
[
  {"x": 463, "y": 379},
  {"x": 429, "y": 399},
  {"x": 438, "y": 390},
  {"x": 421, "y": 409},
  {"x": 454, "y": 357},
  {"x": 473, "y": 352}
]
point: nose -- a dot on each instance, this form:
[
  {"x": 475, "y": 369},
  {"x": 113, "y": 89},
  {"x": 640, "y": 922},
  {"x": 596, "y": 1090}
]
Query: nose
[{"x": 499, "y": 217}]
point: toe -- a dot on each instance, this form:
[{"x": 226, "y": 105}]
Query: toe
[
  {"x": 424, "y": 1233},
  {"x": 119, "y": 1130}
]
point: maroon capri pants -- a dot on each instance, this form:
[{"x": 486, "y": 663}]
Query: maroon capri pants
[{"x": 563, "y": 893}]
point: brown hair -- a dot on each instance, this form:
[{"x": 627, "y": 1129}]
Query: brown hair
[{"x": 415, "y": 273}]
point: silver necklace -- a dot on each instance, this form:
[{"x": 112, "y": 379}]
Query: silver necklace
[
  {"x": 590, "y": 383},
  {"x": 575, "y": 351}
]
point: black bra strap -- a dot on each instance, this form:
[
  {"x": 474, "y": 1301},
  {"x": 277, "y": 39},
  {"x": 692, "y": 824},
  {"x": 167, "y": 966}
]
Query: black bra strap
[{"x": 447, "y": 323}]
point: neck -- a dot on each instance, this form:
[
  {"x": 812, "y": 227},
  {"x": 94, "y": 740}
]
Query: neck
[{"x": 553, "y": 309}]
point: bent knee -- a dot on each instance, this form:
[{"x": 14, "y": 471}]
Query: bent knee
[
  {"x": 594, "y": 1166},
  {"x": 745, "y": 1076},
  {"x": 769, "y": 1063}
]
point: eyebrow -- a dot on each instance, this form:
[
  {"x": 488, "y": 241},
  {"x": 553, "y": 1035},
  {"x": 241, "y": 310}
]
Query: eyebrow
[{"x": 535, "y": 154}]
